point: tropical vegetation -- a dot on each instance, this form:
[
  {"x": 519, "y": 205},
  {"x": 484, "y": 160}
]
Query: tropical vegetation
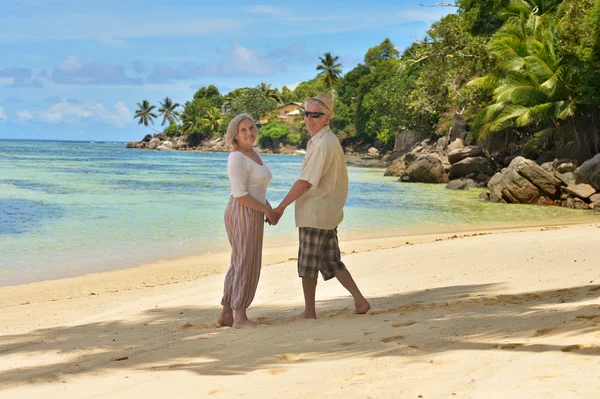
[{"x": 522, "y": 75}]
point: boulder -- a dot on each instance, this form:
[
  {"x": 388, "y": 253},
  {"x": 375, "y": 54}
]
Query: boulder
[
  {"x": 595, "y": 198},
  {"x": 566, "y": 178},
  {"x": 459, "y": 127},
  {"x": 132, "y": 144},
  {"x": 583, "y": 191},
  {"x": 459, "y": 154},
  {"x": 456, "y": 144},
  {"x": 589, "y": 172},
  {"x": 467, "y": 166},
  {"x": 566, "y": 167},
  {"x": 396, "y": 168},
  {"x": 538, "y": 176},
  {"x": 427, "y": 168},
  {"x": 373, "y": 151},
  {"x": 460, "y": 184},
  {"x": 406, "y": 139},
  {"x": 147, "y": 138}
]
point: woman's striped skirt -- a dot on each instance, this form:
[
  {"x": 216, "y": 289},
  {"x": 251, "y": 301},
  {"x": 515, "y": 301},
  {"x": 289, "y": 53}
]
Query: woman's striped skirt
[{"x": 245, "y": 229}]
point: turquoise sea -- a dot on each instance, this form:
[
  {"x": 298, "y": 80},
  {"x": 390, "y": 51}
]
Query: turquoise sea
[{"x": 71, "y": 208}]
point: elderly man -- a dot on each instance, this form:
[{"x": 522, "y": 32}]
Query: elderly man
[{"x": 320, "y": 194}]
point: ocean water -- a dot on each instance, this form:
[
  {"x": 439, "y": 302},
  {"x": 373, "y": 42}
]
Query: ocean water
[{"x": 71, "y": 208}]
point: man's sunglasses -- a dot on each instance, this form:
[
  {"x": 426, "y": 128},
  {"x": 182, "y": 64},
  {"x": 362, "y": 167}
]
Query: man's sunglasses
[{"x": 314, "y": 115}]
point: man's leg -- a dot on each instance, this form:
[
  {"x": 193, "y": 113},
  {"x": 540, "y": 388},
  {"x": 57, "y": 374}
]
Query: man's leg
[
  {"x": 309, "y": 286},
  {"x": 361, "y": 305}
]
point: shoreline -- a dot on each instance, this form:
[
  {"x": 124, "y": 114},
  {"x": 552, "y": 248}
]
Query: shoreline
[{"x": 185, "y": 268}]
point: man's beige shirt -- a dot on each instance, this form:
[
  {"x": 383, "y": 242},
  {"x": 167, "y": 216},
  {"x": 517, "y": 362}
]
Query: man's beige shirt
[{"x": 324, "y": 167}]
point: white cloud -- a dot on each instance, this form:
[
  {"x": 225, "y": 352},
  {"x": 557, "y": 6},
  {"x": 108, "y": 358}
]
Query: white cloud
[
  {"x": 2, "y": 116},
  {"x": 246, "y": 60},
  {"x": 65, "y": 111},
  {"x": 268, "y": 10},
  {"x": 4, "y": 81},
  {"x": 116, "y": 43},
  {"x": 118, "y": 118},
  {"x": 68, "y": 112},
  {"x": 25, "y": 115}
]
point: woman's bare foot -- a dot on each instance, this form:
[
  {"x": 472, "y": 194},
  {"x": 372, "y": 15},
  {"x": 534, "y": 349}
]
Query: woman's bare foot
[
  {"x": 244, "y": 324},
  {"x": 226, "y": 317},
  {"x": 225, "y": 321},
  {"x": 307, "y": 315},
  {"x": 361, "y": 307}
]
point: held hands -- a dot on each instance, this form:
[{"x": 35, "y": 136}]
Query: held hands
[{"x": 273, "y": 215}]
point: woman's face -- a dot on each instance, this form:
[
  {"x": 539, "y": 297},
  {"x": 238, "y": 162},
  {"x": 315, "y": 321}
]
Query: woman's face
[{"x": 246, "y": 135}]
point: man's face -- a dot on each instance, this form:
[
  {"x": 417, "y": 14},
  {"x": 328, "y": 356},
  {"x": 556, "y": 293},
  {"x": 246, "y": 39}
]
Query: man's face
[{"x": 315, "y": 124}]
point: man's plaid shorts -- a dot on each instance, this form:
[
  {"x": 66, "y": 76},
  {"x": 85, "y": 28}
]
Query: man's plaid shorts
[{"x": 319, "y": 251}]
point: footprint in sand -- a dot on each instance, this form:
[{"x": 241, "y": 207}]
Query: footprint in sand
[
  {"x": 277, "y": 371},
  {"x": 289, "y": 357},
  {"x": 414, "y": 346},
  {"x": 543, "y": 331},
  {"x": 348, "y": 343},
  {"x": 368, "y": 332},
  {"x": 393, "y": 339},
  {"x": 591, "y": 317},
  {"x": 216, "y": 391},
  {"x": 571, "y": 348},
  {"x": 405, "y": 324},
  {"x": 511, "y": 346}
]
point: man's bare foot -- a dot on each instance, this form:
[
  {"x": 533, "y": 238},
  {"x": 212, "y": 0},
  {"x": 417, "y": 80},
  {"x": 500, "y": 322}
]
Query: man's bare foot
[
  {"x": 361, "y": 307},
  {"x": 225, "y": 321},
  {"x": 307, "y": 315},
  {"x": 244, "y": 324}
]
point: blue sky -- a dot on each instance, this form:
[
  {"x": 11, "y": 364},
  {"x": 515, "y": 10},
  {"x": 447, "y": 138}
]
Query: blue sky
[{"x": 75, "y": 69}]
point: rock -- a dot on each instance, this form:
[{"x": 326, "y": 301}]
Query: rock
[
  {"x": 589, "y": 172},
  {"x": 147, "y": 138},
  {"x": 427, "y": 168},
  {"x": 373, "y": 151},
  {"x": 132, "y": 144},
  {"x": 518, "y": 189},
  {"x": 484, "y": 196},
  {"x": 441, "y": 145},
  {"x": 595, "y": 198},
  {"x": 583, "y": 191},
  {"x": 565, "y": 167},
  {"x": 548, "y": 167},
  {"x": 456, "y": 144},
  {"x": 459, "y": 154},
  {"x": 475, "y": 165},
  {"x": 406, "y": 139},
  {"x": 545, "y": 201},
  {"x": 566, "y": 178},
  {"x": 458, "y": 184},
  {"x": 459, "y": 127},
  {"x": 579, "y": 204},
  {"x": 396, "y": 168},
  {"x": 538, "y": 176}
]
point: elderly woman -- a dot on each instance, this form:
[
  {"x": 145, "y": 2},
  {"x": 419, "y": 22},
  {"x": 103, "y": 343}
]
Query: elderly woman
[{"x": 244, "y": 220}]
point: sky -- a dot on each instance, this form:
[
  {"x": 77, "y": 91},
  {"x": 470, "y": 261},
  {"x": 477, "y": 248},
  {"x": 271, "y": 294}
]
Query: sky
[{"x": 76, "y": 69}]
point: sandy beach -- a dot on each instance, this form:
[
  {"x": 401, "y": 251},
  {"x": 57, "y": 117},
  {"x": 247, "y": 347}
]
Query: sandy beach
[{"x": 484, "y": 314}]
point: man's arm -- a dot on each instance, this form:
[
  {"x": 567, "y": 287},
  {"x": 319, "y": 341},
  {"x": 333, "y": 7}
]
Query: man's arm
[{"x": 297, "y": 190}]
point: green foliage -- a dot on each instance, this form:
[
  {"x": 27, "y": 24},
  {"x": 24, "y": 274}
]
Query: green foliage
[
  {"x": 173, "y": 130},
  {"x": 144, "y": 113},
  {"x": 253, "y": 102},
  {"x": 169, "y": 112},
  {"x": 211, "y": 93},
  {"x": 385, "y": 51},
  {"x": 482, "y": 17},
  {"x": 278, "y": 132}
]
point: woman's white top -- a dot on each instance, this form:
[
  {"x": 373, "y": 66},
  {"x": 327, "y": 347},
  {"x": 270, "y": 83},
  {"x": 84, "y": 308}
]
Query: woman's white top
[{"x": 248, "y": 177}]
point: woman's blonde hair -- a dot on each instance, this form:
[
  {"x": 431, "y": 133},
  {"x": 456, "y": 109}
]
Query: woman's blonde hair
[{"x": 232, "y": 128}]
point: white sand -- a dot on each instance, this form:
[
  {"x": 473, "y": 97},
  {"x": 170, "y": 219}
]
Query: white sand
[{"x": 505, "y": 314}]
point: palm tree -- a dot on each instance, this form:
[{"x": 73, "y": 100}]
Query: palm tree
[
  {"x": 330, "y": 69},
  {"x": 213, "y": 117},
  {"x": 269, "y": 92},
  {"x": 145, "y": 115},
  {"x": 169, "y": 112},
  {"x": 529, "y": 91},
  {"x": 191, "y": 118}
]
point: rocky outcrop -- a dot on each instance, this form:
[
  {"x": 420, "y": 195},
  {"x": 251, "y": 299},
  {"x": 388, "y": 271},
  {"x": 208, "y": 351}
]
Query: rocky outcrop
[
  {"x": 589, "y": 172},
  {"x": 427, "y": 168},
  {"x": 524, "y": 181}
]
